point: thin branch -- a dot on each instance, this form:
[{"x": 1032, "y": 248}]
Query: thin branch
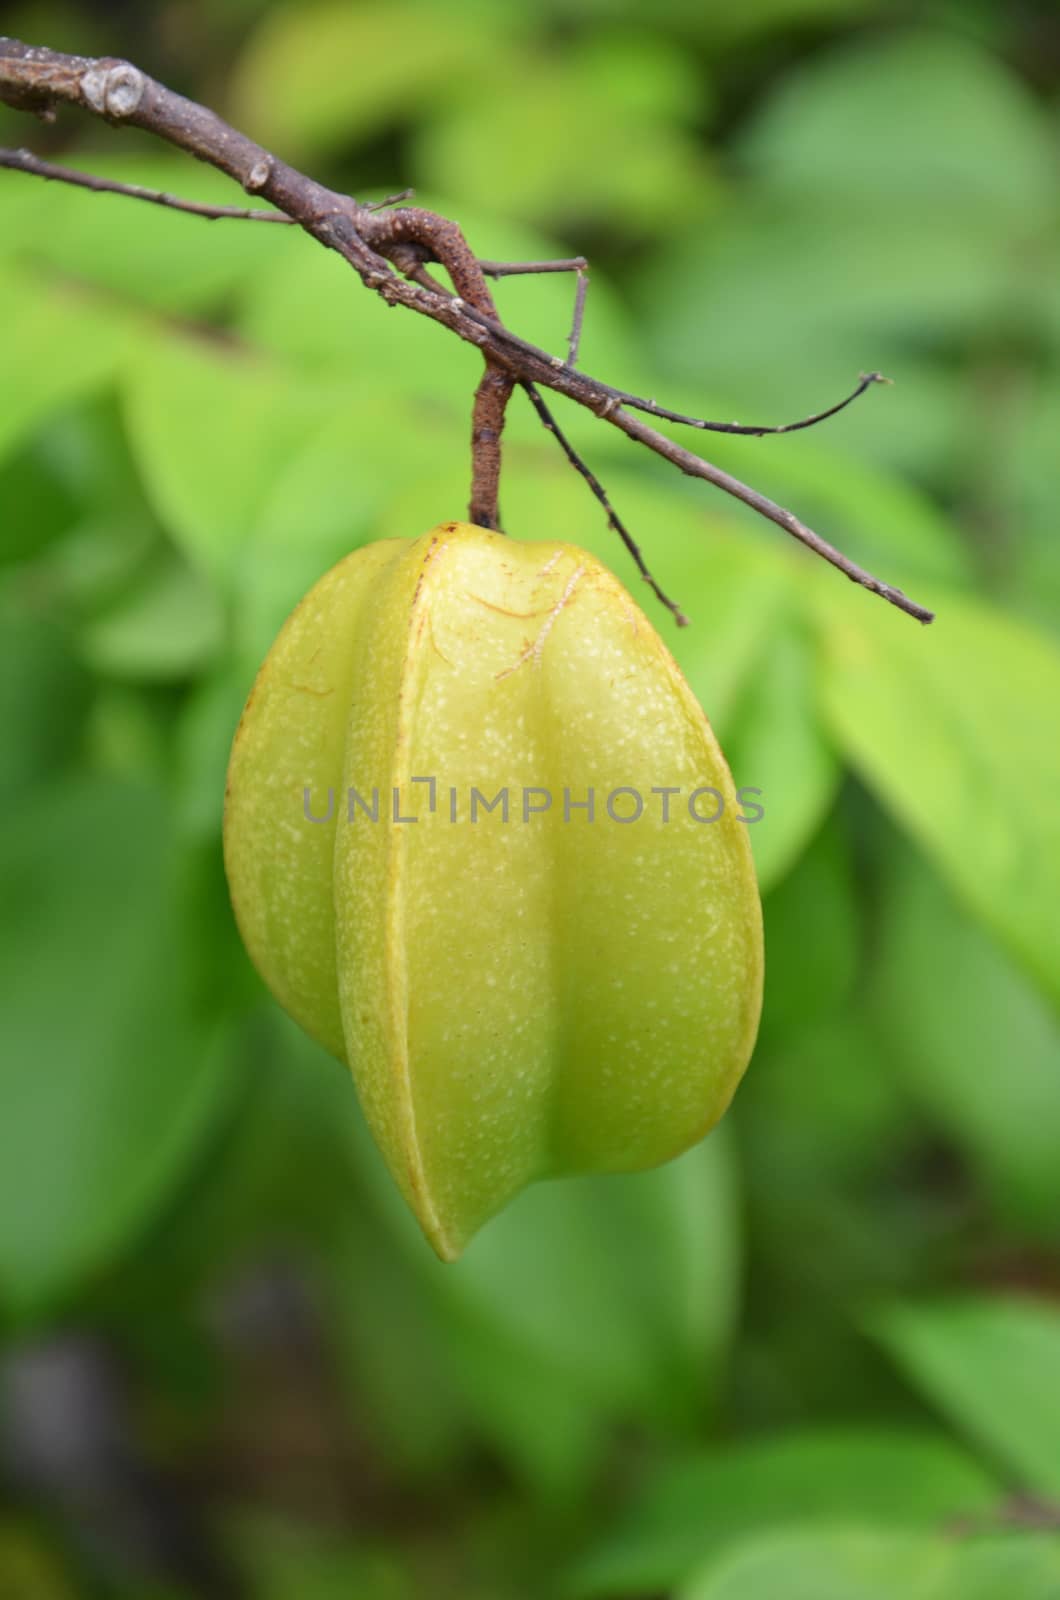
[
  {"x": 754, "y": 429},
  {"x": 26, "y": 161},
  {"x": 613, "y": 520},
  {"x": 391, "y": 200},
  {"x": 695, "y": 467},
  {"x": 373, "y": 243},
  {"x": 575, "y": 339},
  {"x": 517, "y": 269}
]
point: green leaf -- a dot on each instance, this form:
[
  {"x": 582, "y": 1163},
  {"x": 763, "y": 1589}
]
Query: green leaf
[
  {"x": 899, "y": 196},
  {"x": 106, "y": 539},
  {"x": 587, "y": 1302},
  {"x": 875, "y": 516},
  {"x": 395, "y": 1353},
  {"x": 320, "y": 75},
  {"x": 1018, "y": 1566},
  {"x": 38, "y": 507},
  {"x": 126, "y": 734},
  {"x": 103, "y": 559},
  {"x": 651, "y": 1258},
  {"x": 327, "y": 499},
  {"x": 887, "y": 1479},
  {"x": 60, "y": 343},
  {"x": 813, "y": 930},
  {"x": 852, "y": 1563},
  {"x": 211, "y": 430},
  {"x": 993, "y": 1367},
  {"x": 949, "y": 725},
  {"x": 616, "y": 1296},
  {"x": 167, "y": 625},
  {"x": 610, "y": 143},
  {"x": 973, "y": 1041},
  {"x": 44, "y": 695},
  {"x": 283, "y": 1558},
  {"x": 1030, "y": 479},
  {"x": 29, "y": 1568},
  {"x": 202, "y": 744},
  {"x": 792, "y": 292},
  {"x": 777, "y": 748},
  {"x": 734, "y": 25},
  {"x": 822, "y": 1102},
  {"x": 921, "y": 120},
  {"x": 143, "y": 254},
  {"x": 111, "y": 1076}
]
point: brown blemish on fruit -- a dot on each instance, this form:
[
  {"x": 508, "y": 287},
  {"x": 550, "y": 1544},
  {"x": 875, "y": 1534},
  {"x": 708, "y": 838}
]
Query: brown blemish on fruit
[
  {"x": 434, "y": 642},
  {"x": 433, "y": 549},
  {"x": 305, "y": 688},
  {"x": 503, "y": 610},
  {"x": 535, "y": 649}
]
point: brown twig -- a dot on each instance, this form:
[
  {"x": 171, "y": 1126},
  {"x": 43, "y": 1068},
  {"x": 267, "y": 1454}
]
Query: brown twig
[
  {"x": 574, "y": 342},
  {"x": 51, "y": 172},
  {"x": 391, "y": 200},
  {"x": 754, "y": 430},
  {"x": 614, "y": 521},
  {"x": 373, "y": 243},
  {"x": 1026, "y": 1512},
  {"x": 26, "y": 161},
  {"x": 520, "y": 269}
]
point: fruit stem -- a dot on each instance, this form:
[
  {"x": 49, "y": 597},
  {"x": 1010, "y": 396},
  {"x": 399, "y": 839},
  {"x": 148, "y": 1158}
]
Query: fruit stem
[{"x": 487, "y": 425}]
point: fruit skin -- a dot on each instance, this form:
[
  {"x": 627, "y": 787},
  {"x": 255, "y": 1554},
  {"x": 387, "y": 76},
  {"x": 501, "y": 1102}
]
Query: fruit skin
[{"x": 517, "y": 999}]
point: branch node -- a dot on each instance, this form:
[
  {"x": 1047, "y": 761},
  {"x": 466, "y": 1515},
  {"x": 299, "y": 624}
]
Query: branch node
[
  {"x": 258, "y": 176},
  {"x": 115, "y": 90}
]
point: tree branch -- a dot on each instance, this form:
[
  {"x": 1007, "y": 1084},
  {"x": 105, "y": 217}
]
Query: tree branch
[
  {"x": 26, "y": 161},
  {"x": 374, "y": 242}
]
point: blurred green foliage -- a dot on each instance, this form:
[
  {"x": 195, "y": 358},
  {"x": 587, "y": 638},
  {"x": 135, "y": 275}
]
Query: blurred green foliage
[{"x": 820, "y": 1355}]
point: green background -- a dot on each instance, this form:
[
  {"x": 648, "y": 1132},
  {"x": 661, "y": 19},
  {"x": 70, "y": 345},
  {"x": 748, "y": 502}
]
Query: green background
[{"x": 818, "y": 1356}]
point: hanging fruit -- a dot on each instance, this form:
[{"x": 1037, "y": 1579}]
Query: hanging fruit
[{"x": 483, "y": 845}]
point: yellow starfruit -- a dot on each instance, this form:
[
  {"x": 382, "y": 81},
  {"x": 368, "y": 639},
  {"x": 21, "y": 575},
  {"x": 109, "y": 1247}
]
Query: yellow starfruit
[{"x": 483, "y": 845}]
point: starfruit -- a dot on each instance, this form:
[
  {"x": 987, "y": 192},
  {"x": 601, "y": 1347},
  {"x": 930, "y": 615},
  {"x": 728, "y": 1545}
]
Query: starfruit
[{"x": 483, "y": 846}]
